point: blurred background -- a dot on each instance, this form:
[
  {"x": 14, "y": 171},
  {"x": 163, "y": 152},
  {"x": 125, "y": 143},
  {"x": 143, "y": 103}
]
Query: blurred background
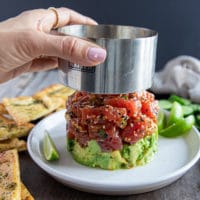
[{"x": 177, "y": 21}]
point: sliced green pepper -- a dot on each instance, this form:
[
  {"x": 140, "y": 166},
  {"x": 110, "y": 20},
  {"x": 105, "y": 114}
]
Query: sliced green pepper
[
  {"x": 181, "y": 127},
  {"x": 175, "y": 114},
  {"x": 180, "y": 100}
]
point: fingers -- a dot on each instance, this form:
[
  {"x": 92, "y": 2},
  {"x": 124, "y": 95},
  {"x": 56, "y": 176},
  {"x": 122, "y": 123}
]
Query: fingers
[
  {"x": 36, "y": 44},
  {"x": 40, "y": 64},
  {"x": 58, "y": 17},
  {"x": 73, "y": 17},
  {"x": 43, "y": 64},
  {"x": 46, "y": 19},
  {"x": 73, "y": 49}
]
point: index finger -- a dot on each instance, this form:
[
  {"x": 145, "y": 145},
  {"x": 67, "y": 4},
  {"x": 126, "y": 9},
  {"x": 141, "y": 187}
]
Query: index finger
[{"x": 66, "y": 16}]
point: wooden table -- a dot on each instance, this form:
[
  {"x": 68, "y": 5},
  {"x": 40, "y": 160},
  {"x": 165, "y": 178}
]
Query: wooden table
[{"x": 43, "y": 187}]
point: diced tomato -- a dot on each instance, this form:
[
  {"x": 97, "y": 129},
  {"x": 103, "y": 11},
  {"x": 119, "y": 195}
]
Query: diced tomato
[
  {"x": 132, "y": 106},
  {"x": 150, "y": 109}
]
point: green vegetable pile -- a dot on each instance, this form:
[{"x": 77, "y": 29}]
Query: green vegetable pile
[{"x": 183, "y": 115}]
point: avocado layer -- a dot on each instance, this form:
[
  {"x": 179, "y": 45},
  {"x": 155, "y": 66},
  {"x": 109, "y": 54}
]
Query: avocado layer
[{"x": 133, "y": 155}]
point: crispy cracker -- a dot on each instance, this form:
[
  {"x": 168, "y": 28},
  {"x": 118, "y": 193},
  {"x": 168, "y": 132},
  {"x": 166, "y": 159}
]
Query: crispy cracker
[
  {"x": 3, "y": 110},
  {"x": 10, "y": 185},
  {"x": 53, "y": 94},
  {"x": 13, "y": 143},
  {"x": 9, "y": 129},
  {"x": 25, "y": 109},
  {"x": 25, "y": 194}
]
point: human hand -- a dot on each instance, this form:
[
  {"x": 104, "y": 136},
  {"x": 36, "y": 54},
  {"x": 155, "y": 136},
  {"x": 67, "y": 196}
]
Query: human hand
[{"x": 28, "y": 46}]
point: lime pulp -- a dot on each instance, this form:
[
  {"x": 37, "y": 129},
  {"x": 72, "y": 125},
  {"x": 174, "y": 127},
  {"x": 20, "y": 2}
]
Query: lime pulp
[{"x": 49, "y": 148}]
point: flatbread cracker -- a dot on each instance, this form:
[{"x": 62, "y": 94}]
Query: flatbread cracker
[
  {"x": 25, "y": 194},
  {"x": 54, "y": 94},
  {"x": 26, "y": 109},
  {"x": 10, "y": 185},
  {"x": 3, "y": 110},
  {"x": 9, "y": 129},
  {"x": 13, "y": 143}
]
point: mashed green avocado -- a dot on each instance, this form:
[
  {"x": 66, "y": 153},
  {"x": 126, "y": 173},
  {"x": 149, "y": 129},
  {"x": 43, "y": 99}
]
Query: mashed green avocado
[{"x": 133, "y": 155}]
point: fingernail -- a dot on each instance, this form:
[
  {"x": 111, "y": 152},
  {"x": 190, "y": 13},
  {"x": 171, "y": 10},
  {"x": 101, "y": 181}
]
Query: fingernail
[{"x": 96, "y": 54}]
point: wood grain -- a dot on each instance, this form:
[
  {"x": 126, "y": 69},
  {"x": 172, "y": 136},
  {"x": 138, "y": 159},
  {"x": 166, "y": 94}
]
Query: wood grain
[{"x": 43, "y": 187}]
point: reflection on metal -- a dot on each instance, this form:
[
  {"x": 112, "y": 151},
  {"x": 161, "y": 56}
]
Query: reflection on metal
[{"x": 130, "y": 62}]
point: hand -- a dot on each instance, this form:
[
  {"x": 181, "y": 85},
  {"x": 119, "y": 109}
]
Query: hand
[{"x": 28, "y": 46}]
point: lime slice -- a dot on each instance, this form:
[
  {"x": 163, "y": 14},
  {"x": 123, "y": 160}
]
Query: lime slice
[{"x": 49, "y": 148}]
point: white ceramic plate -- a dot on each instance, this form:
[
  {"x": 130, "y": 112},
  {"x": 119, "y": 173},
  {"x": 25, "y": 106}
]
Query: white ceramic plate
[{"x": 175, "y": 156}]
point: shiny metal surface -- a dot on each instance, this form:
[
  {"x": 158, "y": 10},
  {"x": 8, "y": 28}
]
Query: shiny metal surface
[{"x": 130, "y": 62}]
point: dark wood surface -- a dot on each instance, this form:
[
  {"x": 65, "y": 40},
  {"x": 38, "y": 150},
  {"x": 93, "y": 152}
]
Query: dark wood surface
[{"x": 44, "y": 187}]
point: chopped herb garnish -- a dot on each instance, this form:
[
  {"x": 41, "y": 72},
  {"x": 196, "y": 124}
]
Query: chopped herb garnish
[
  {"x": 71, "y": 114},
  {"x": 123, "y": 122},
  {"x": 125, "y": 97},
  {"x": 70, "y": 144},
  {"x": 102, "y": 133},
  {"x": 11, "y": 186}
]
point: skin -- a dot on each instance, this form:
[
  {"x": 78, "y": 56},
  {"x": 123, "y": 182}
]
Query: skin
[{"x": 28, "y": 46}]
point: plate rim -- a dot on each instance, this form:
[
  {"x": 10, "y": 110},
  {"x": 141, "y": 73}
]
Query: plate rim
[{"x": 71, "y": 179}]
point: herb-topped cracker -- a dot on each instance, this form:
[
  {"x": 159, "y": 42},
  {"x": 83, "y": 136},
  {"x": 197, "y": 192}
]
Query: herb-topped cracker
[
  {"x": 9, "y": 128},
  {"x": 26, "y": 109},
  {"x": 13, "y": 143},
  {"x": 25, "y": 194},
  {"x": 53, "y": 93},
  {"x": 10, "y": 185},
  {"x": 3, "y": 109}
]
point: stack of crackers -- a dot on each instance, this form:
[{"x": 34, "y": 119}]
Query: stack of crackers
[{"x": 18, "y": 115}]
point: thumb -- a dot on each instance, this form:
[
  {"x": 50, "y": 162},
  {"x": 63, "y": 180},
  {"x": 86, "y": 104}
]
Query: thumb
[{"x": 73, "y": 49}]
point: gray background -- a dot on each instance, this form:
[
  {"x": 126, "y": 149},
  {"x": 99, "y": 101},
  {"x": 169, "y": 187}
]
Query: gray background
[{"x": 177, "y": 21}]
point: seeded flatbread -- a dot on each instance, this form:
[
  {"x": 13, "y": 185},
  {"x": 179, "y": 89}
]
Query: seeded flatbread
[
  {"x": 25, "y": 194},
  {"x": 3, "y": 109},
  {"x": 53, "y": 94},
  {"x": 26, "y": 109},
  {"x": 13, "y": 143},
  {"x": 9, "y": 129},
  {"x": 10, "y": 186}
]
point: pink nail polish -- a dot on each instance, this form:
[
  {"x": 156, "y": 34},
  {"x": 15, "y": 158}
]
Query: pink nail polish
[{"x": 96, "y": 54}]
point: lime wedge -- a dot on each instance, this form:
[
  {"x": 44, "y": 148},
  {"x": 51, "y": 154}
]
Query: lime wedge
[{"x": 49, "y": 148}]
